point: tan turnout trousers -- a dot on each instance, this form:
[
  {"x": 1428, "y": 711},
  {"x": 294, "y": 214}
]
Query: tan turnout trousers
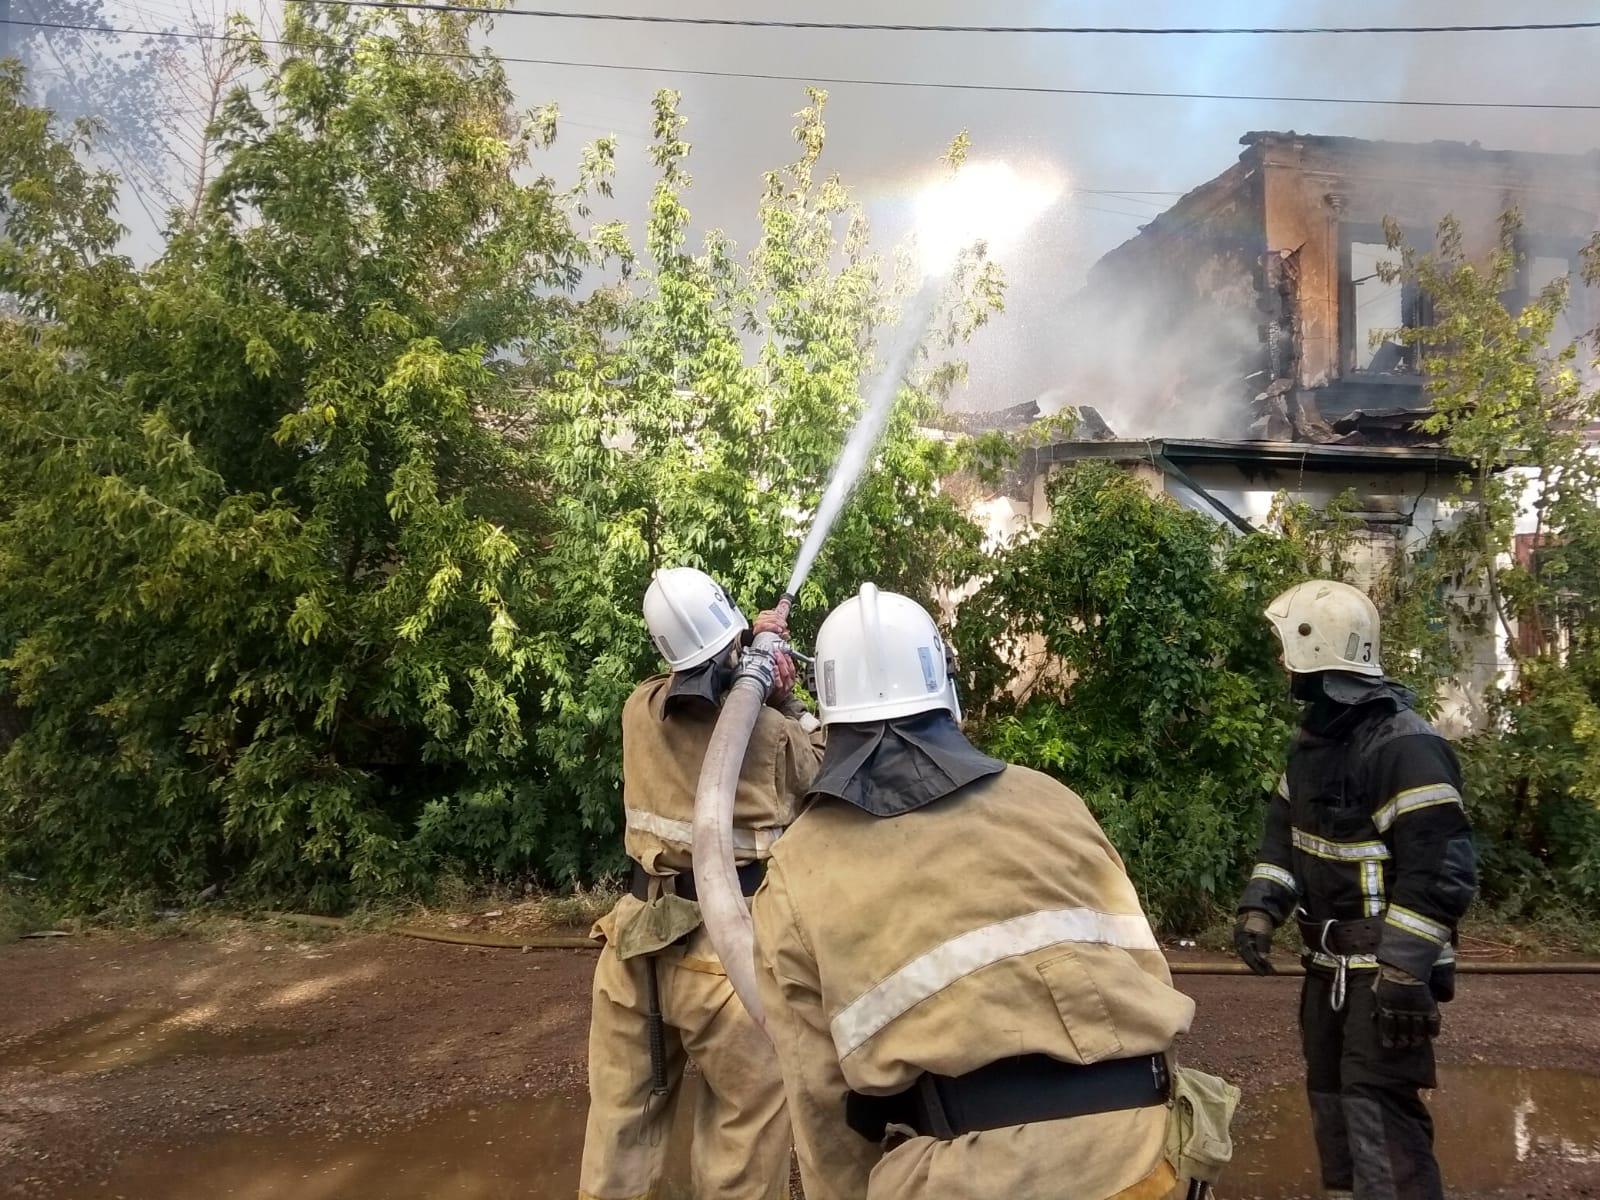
[
  {"x": 992, "y": 923},
  {"x": 740, "y": 1129}
]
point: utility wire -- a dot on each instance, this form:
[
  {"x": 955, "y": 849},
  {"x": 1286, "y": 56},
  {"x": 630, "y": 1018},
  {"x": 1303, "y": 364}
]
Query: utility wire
[
  {"x": 844, "y": 81},
  {"x": 876, "y": 27}
]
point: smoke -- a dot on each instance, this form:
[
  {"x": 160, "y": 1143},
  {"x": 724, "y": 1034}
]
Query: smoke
[
  {"x": 1127, "y": 158},
  {"x": 1157, "y": 358},
  {"x": 1158, "y": 366}
]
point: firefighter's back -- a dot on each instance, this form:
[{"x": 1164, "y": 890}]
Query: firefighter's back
[{"x": 995, "y": 924}]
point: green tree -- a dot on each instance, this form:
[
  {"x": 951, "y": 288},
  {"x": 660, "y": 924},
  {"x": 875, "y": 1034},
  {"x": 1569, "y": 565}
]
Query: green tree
[
  {"x": 265, "y": 544},
  {"x": 1150, "y": 681},
  {"x": 78, "y": 71},
  {"x": 323, "y": 538},
  {"x": 1504, "y": 397},
  {"x": 709, "y": 442}
]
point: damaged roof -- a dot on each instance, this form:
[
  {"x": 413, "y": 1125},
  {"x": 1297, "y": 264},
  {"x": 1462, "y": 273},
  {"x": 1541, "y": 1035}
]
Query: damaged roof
[
  {"x": 1318, "y": 456},
  {"x": 1384, "y": 427},
  {"x": 988, "y": 420},
  {"x": 1440, "y": 150}
]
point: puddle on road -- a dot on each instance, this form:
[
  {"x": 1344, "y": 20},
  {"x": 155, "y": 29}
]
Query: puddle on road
[
  {"x": 1490, "y": 1123},
  {"x": 520, "y": 1150},
  {"x": 1493, "y": 1123},
  {"x": 138, "y": 1037}
]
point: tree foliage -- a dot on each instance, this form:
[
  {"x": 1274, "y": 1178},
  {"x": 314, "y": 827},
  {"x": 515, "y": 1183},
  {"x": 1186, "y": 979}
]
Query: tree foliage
[
  {"x": 1149, "y": 681},
  {"x": 264, "y": 552},
  {"x": 711, "y": 438},
  {"x": 322, "y": 538},
  {"x": 79, "y": 71},
  {"x": 1522, "y": 410}
]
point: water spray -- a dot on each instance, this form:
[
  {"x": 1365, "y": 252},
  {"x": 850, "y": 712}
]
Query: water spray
[
  {"x": 716, "y": 875},
  {"x": 869, "y": 428},
  {"x": 981, "y": 201}
]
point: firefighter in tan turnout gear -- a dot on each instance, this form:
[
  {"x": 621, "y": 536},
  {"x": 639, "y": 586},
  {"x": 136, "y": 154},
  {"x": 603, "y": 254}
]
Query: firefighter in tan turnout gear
[
  {"x": 661, "y": 997},
  {"x": 1367, "y": 846},
  {"x": 966, "y": 997}
]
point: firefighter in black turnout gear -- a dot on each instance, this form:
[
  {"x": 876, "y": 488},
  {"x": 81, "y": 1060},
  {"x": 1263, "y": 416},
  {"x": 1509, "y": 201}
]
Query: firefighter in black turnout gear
[{"x": 1367, "y": 847}]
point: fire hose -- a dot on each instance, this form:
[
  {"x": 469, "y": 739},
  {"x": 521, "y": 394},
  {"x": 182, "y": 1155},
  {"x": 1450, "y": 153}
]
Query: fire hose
[
  {"x": 1578, "y": 966},
  {"x": 722, "y": 904},
  {"x": 716, "y": 874}
]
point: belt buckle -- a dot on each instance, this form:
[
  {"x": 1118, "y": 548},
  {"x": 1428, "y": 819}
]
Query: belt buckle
[{"x": 1161, "y": 1075}]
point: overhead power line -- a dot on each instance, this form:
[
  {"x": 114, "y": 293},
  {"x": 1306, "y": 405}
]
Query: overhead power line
[
  {"x": 845, "y": 81},
  {"x": 1040, "y": 90},
  {"x": 886, "y": 27}
]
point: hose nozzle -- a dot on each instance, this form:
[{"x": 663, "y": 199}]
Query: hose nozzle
[{"x": 758, "y": 661}]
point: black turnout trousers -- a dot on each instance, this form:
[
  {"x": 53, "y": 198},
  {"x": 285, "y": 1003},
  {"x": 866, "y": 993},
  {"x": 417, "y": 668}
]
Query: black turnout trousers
[{"x": 1373, "y": 1132}]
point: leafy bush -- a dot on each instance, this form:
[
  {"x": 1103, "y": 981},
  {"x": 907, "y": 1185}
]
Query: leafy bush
[
  {"x": 322, "y": 539},
  {"x": 20, "y": 912},
  {"x": 1534, "y": 792},
  {"x": 1503, "y": 395},
  {"x": 709, "y": 460},
  {"x": 1151, "y": 681},
  {"x": 262, "y": 561}
]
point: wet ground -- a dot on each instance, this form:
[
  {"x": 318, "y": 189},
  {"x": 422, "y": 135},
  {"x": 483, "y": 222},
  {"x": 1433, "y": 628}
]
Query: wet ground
[
  {"x": 379, "y": 1068},
  {"x": 1494, "y": 1126},
  {"x": 524, "y": 1150},
  {"x": 132, "y": 1037}
]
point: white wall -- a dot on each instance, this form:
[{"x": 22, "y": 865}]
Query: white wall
[{"x": 1400, "y": 509}]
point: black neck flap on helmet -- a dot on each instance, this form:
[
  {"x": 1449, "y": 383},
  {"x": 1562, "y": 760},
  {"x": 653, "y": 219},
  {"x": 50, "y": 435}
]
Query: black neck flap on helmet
[
  {"x": 706, "y": 684},
  {"x": 891, "y": 767},
  {"x": 1335, "y": 700}
]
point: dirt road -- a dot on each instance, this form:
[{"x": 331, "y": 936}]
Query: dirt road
[{"x": 261, "y": 1068}]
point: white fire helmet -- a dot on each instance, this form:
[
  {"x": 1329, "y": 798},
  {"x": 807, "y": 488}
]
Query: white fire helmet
[
  {"x": 880, "y": 656},
  {"x": 690, "y": 618},
  {"x": 1326, "y": 626}
]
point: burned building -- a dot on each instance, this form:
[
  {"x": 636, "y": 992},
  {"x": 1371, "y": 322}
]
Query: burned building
[{"x": 1249, "y": 308}]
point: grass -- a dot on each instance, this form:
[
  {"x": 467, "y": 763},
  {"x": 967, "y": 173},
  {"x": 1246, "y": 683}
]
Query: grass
[
  {"x": 508, "y": 914},
  {"x": 1217, "y": 936},
  {"x": 21, "y": 912},
  {"x": 1486, "y": 935},
  {"x": 1557, "y": 932},
  {"x": 452, "y": 905}
]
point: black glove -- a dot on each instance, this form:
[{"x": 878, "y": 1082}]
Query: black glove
[
  {"x": 1408, "y": 1015},
  {"x": 1252, "y": 940}
]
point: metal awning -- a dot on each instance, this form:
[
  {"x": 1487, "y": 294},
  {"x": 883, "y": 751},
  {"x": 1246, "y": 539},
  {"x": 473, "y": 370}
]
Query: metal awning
[{"x": 1284, "y": 455}]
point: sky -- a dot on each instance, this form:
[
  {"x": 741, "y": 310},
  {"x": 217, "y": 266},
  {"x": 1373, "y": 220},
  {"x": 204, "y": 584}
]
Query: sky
[{"x": 885, "y": 142}]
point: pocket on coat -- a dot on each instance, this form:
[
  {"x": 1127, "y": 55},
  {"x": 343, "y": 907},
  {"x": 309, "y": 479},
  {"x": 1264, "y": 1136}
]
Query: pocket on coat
[{"x": 1084, "y": 1012}]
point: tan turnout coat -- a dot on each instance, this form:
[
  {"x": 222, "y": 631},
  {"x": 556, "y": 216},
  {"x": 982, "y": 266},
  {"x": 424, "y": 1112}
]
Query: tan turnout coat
[
  {"x": 740, "y": 1133},
  {"x": 992, "y": 923}
]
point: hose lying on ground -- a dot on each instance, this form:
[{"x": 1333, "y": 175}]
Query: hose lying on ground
[
  {"x": 1551, "y": 967},
  {"x": 1462, "y": 968},
  {"x": 543, "y": 942}
]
